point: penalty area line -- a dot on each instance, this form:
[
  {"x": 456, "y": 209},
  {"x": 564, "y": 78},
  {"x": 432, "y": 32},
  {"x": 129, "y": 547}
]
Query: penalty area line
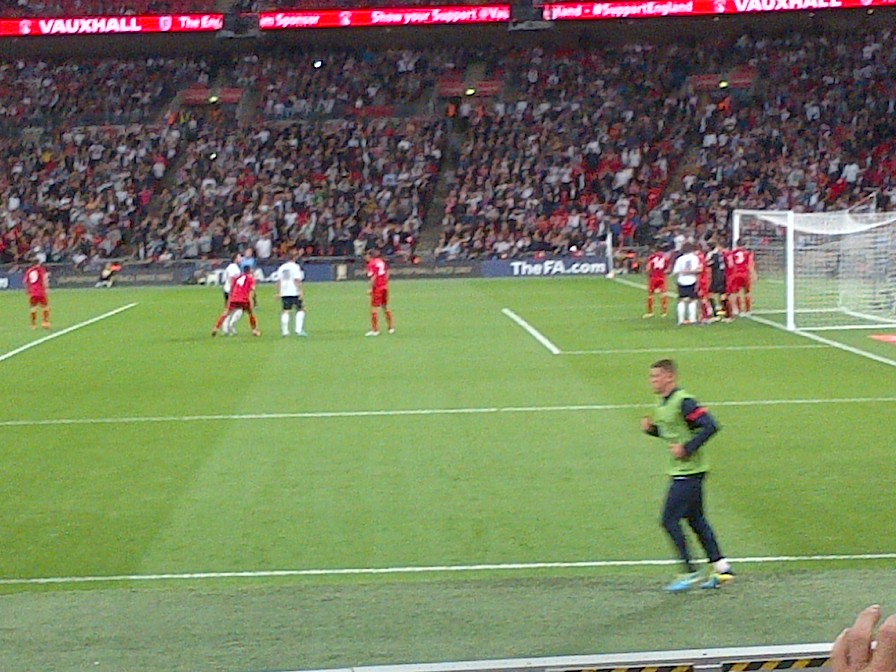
[
  {"x": 431, "y": 569},
  {"x": 67, "y": 330},
  {"x": 828, "y": 342},
  {"x": 537, "y": 335}
]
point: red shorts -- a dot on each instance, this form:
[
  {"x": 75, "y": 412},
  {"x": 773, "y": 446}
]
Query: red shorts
[
  {"x": 240, "y": 305},
  {"x": 38, "y": 300},
  {"x": 737, "y": 283},
  {"x": 379, "y": 298},
  {"x": 656, "y": 285}
]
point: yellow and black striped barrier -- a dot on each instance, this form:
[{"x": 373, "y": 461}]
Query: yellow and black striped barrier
[
  {"x": 744, "y": 666},
  {"x": 645, "y": 668},
  {"x": 783, "y": 664}
]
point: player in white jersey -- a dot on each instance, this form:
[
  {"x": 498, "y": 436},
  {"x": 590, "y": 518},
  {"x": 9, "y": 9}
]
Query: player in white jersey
[
  {"x": 686, "y": 270},
  {"x": 231, "y": 273},
  {"x": 290, "y": 277}
]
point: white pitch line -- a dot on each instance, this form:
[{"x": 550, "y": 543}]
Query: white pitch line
[
  {"x": 537, "y": 335},
  {"x": 312, "y": 415},
  {"x": 430, "y": 569},
  {"x": 67, "y": 330},
  {"x": 834, "y": 344},
  {"x": 630, "y": 351},
  {"x": 630, "y": 283}
]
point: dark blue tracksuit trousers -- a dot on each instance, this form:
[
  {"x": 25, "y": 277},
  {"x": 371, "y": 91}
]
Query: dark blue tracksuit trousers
[{"x": 685, "y": 501}]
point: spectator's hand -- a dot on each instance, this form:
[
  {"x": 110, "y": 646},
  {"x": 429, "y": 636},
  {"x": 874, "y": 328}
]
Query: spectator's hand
[{"x": 852, "y": 650}]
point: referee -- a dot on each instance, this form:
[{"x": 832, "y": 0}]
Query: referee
[{"x": 685, "y": 425}]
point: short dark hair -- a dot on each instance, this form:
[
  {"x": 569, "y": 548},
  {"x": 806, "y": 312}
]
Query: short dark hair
[{"x": 666, "y": 365}]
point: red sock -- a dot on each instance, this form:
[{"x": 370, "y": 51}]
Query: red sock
[
  {"x": 650, "y": 303},
  {"x": 33, "y": 317},
  {"x": 46, "y": 315},
  {"x": 375, "y": 321},
  {"x": 389, "y": 319},
  {"x": 749, "y": 304},
  {"x": 221, "y": 319},
  {"x": 252, "y": 321},
  {"x": 665, "y": 303}
]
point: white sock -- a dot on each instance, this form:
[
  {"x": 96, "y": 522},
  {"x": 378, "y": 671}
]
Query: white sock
[
  {"x": 722, "y": 566},
  {"x": 284, "y": 324},
  {"x": 234, "y": 318},
  {"x": 300, "y": 321},
  {"x": 692, "y": 311},
  {"x": 680, "y": 312}
]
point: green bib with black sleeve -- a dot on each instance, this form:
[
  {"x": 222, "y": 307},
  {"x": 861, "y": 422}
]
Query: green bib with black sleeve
[{"x": 673, "y": 428}]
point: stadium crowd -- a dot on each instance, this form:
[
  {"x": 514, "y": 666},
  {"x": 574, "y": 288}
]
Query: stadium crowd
[
  {"x": 329, "y": 187},
  {"x": 52, "y": 94},
  {"x": 581, "y": 142},
  {"x": 825, "y": 144},
  {"x": 572, "y": 157},
  {"x": 342, "y": 83},
  {"x": 83, "y": 194}
]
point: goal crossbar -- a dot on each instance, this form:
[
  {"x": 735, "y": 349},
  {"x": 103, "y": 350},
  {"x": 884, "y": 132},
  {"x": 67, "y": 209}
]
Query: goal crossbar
[{"x": 838, "y": 268}]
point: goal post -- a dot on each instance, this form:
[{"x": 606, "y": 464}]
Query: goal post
[{"x": 827, "y": 270}]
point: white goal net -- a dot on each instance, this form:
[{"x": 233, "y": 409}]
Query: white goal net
[{"x": 828, "y": 270}]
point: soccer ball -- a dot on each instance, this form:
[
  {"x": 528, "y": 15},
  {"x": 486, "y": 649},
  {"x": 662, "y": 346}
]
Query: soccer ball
[{"x": 611, "y": 275}]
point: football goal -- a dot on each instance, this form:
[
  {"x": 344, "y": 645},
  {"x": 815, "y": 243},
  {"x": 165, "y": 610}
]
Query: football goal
[{"x": 827, "y": 270}]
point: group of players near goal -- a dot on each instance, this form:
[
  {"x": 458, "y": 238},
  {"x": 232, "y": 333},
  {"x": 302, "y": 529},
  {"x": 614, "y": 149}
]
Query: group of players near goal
[{"x": 714, "y": 285}]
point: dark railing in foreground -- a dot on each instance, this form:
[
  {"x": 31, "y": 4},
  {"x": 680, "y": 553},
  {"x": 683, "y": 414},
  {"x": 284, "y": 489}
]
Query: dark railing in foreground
[{"x": 734, "y": 659}]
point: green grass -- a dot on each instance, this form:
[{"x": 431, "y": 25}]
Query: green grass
[{"x": 169, "y": 467}]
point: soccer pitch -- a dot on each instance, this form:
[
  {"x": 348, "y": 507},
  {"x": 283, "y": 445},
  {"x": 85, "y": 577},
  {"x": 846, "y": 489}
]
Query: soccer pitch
[{"x": 473, "y": 486}]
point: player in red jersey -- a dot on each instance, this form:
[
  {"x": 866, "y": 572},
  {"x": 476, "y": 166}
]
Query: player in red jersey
[
  {"x": 242, "y": 299},
  {"x": 657, "y": 269},
  {"x": 37, "y": 283},
  {"x": 378, "y": 272},
  {"x": 741, "y": 278}
]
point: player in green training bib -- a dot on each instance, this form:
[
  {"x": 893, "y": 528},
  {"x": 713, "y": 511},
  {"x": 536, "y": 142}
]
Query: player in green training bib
[{"x": 685, "y": 426}]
